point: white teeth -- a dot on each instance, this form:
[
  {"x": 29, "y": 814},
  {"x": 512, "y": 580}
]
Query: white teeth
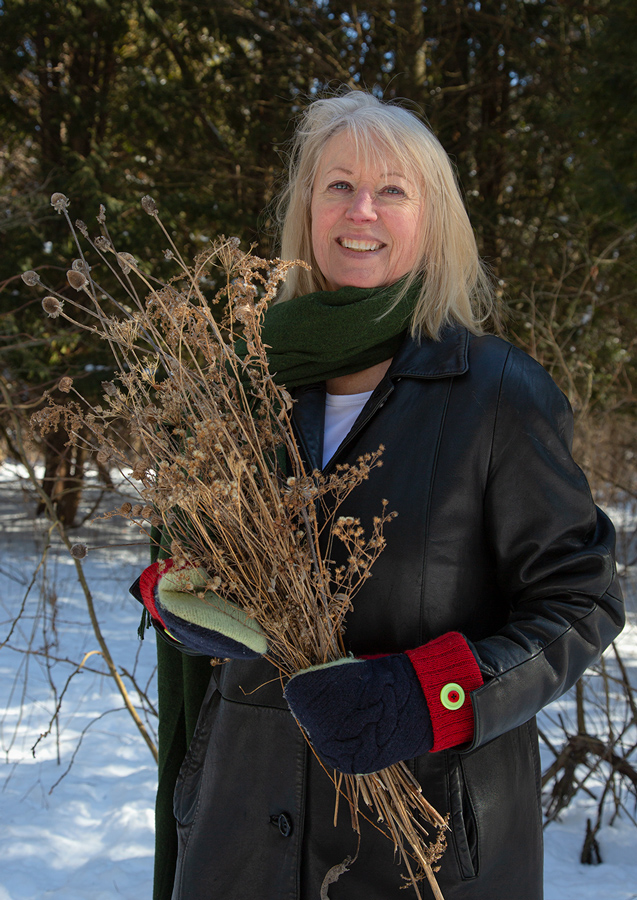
[{"x": 359, "y": 245}]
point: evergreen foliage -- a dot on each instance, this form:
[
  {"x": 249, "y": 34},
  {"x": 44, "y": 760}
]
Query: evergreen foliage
[{"x": 191, "y": 103}]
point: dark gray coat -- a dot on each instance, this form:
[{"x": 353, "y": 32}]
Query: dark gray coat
[{"x": 497, "y": 537}]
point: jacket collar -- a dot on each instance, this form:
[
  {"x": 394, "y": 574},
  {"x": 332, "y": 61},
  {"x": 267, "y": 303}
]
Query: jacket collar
[{"x": 433, "y": 359}]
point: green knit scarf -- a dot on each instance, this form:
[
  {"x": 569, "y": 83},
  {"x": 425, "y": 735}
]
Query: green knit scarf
[{"x": 331, "y": 333}]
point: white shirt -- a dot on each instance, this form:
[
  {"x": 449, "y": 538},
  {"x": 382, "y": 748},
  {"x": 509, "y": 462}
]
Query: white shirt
[{"x": 341, "y": 411}]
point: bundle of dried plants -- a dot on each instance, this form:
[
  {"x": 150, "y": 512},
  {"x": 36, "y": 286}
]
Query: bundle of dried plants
[{"x": 215, "y": 465}]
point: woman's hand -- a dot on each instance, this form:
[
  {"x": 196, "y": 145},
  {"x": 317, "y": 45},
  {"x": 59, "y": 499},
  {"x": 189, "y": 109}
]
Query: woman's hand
[
  {"x": 362, "y": 715},
  {"x": 198, "y": 619}
]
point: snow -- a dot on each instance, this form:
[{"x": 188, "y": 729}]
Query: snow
[
  {"x": 77, "y": 817},
  {"x": 565, "y": 877},
  {"x": 87, "y": 831}
]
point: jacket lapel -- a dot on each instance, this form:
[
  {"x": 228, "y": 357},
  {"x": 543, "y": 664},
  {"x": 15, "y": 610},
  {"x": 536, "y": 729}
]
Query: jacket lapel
[
  {"x": 426, "y": 359},
  {"x": 308, "y": 418}
]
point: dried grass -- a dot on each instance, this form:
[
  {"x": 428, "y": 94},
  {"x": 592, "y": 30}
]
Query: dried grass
[{"x": 215, "y": 464}]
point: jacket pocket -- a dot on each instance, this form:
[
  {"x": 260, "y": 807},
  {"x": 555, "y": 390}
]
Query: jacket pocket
[{"x": 464, "y": 826}]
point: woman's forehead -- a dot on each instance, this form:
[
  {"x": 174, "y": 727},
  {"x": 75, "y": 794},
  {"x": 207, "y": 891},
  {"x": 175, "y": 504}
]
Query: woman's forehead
[{"x": 348, "y": 153}]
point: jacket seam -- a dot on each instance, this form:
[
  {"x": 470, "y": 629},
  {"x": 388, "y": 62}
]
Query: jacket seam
[
  {"x": 425, "y": 552},
  {"x": 497, "y": 413},
  {"x": 543, "y": 650},
  {"x": 255, "y": 705}
]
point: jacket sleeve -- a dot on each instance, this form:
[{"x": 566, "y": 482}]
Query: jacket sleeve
[{"x": 554, "y": 557}]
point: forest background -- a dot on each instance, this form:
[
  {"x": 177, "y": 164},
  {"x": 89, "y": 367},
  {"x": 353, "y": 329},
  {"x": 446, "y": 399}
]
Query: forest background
[
  {"x": 535, "y": 101},
  {"x": 191, "y": 103}
]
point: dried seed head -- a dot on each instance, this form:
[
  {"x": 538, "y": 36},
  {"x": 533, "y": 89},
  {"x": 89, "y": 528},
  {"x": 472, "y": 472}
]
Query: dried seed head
[
  {"x": 345, "y": 520},
  {"x": 101, "y": 216},
  {"x": 126, "y": 260},
  {"x": 65, "y": 384},
  {"x": 77, "y": 280},
  {"x": 137, "y": 509},
  {"x": 52, "y": 306},
  {"x": 79, "y": 551},
  {"x": 102, "y": 243},
  {"x": 140, "y": 471},
  {"x": 168, "y": 254},
  {"x": 109, "y": 388},
  {"x": 30, "y": 277},
  {"x": 102, "y": 457},
  {"x": 60, "y": 202},
  {"x": 81, "y": 227},
  {"x": 126, "y": 508},
  {"x": 149, "y": 206},
  {"x": 81, "y": 265},
  {"x": 175, "y": 550}
]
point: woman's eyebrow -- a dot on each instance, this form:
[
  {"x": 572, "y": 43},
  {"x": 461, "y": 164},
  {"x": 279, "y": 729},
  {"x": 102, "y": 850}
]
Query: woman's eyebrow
[{"x": 382, "y": 175}]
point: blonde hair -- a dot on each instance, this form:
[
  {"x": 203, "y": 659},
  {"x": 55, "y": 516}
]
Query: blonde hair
[{"x": 455, "y": 283}]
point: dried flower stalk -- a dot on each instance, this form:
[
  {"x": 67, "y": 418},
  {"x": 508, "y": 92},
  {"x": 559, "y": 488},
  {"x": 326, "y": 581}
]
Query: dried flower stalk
[{"x": 215, "y": 464}]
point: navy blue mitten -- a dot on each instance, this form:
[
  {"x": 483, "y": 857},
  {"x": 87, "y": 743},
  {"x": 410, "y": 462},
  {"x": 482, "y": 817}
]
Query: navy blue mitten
[{"x": 362, "y": 715}]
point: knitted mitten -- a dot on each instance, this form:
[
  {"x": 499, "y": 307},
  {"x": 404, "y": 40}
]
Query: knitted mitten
[
  {"x": 362, "y": 715},
  {"x": 198, "y": 619}
]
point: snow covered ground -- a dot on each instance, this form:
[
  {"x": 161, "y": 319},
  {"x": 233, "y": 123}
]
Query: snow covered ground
[{"x": 77, "y": 818}]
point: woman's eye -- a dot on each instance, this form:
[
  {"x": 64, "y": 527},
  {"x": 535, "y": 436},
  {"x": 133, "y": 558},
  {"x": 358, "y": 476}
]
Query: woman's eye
[
  {"x": 395, "y": 191},
  {"x": 339, "y": 186}
]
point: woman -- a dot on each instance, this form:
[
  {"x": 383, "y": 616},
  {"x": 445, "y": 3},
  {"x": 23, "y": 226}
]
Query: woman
[{"x": 497, "y": 585}]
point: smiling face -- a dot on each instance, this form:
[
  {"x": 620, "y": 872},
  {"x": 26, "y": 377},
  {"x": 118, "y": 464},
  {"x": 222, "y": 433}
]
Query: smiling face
[{"x": 367, "y": 218}]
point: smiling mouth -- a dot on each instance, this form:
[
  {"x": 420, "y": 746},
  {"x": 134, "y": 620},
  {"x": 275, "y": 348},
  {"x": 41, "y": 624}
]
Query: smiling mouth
[{"x": 360, "y": 246}]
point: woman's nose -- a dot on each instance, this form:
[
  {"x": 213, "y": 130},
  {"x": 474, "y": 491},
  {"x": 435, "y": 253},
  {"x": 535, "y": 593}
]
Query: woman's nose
[{"x": 361, "y": 207}]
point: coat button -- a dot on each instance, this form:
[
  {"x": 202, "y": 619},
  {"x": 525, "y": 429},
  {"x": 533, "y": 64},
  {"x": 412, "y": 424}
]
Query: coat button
[{"x": 284, "y": 822}]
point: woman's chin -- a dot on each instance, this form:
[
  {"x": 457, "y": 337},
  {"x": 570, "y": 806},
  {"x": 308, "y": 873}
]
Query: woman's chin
[{"x": 358, "y": 281}]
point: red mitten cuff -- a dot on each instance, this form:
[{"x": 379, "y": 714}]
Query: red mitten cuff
[
  {"x": 448, "y": 672},
  {"x": 147, "y": 582}
]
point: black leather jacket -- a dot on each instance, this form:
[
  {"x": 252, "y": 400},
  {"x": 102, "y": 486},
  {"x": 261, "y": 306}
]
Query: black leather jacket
[{"x": 497, "y": 537}]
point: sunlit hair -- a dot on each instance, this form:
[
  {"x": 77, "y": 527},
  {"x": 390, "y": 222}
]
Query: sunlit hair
[{"x": 455, "y": 284}]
